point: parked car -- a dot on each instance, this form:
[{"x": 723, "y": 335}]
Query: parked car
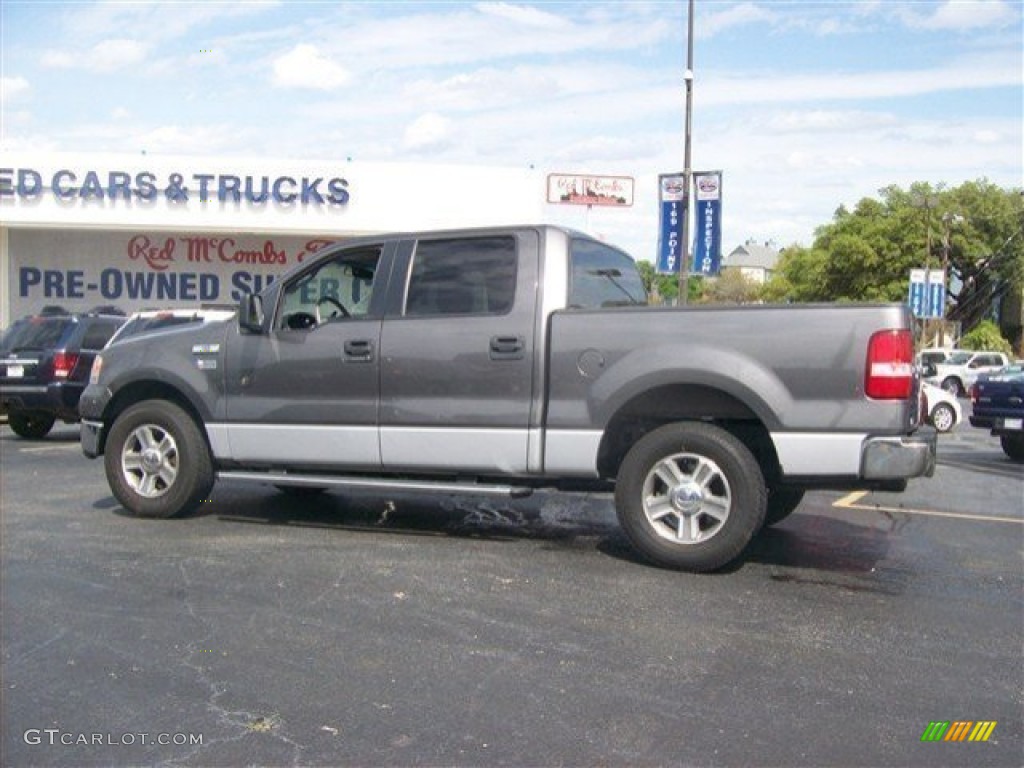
[
  {"x": 941, "y": 409},
  {"x": 45, "y": 361},
  {"x": 153, "y": 320},
  {"x": 933, "y": 356},
  {"x": 961, "y": 369},
  {"x": 997, "y": 404},
  {"x": 501, "y": 360}
]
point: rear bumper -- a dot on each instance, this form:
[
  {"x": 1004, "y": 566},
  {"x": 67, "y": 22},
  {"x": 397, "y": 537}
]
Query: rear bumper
[
  {"x": 58, "y": 399},
  {"x": 900, "y": 458}
]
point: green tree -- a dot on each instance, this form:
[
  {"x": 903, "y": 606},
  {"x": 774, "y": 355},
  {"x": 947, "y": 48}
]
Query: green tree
[
  {"x": 975, "y": 230},
  {"x": 732, "y": 287},
  {"x": 663, "y": 289},
  {"x": 986, "y": 337}
]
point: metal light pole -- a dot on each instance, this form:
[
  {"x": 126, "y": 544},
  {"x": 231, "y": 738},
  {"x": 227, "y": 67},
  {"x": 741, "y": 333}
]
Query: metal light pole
[{"x": 684, "y": 269}]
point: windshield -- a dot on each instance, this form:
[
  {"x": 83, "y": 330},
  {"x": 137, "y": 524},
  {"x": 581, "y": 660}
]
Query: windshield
[{"x": 959, "y": 358}]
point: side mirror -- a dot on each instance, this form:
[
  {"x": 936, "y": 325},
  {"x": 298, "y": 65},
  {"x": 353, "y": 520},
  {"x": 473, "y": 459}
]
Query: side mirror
[{"x": 250, "y": 313}]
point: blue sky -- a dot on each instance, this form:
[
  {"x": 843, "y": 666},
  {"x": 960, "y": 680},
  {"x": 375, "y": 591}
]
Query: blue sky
[{"x": 804, "y": 104}]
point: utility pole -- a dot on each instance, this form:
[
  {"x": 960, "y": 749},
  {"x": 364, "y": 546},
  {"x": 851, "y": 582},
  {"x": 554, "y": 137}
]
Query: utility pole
[{"x": 684, "y": 269}]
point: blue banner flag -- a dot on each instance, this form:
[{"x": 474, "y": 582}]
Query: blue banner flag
[
  {"x": 707, "y": 236},
  {"x": 672, "y": 209}
]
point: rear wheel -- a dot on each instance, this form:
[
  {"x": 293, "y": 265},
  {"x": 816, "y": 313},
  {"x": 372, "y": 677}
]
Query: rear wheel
[
  {"x": 157, "y": 462},
  {"x": 943, "y": 417},
  {"x": 690, "y": 496},
  {"x": 1013, "y": 446},
  {"x": 32, "y": 425}
]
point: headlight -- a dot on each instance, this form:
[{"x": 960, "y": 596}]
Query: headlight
[{"x": 97, "y": 366}]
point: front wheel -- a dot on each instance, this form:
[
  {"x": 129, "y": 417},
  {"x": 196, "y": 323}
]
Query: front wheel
[
  {"x": 952, "y": 385},
  {"x": 157, "y": 462},
  {"x": 1013, "y": 446},
  {"x": 690, "y": 496},
  {"x": 32, "y": 425},
  {"x": 943, "y": 417}
]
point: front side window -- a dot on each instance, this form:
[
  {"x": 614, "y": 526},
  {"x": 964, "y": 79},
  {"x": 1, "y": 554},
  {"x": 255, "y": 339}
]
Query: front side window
[
  {"x": 466, "y": 276},
  {"x": 336, "y": 289},
  {"x": 601, "y": 276}
]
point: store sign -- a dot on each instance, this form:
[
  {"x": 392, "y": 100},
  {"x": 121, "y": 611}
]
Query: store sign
[
  {"x": 590, "y": 190},
  {"x": 85, "y": 184},
  {"x": 927, "y": 295},
  {"x": 672, "y": 210},
  {"x": 146, "y": 270},
  {"x": 707, "y": 245}
]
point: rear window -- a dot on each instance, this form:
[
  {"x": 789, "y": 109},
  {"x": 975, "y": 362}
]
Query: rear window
[
  {"x": 35, "y": 333},
  {"x": 602, "y": 276}
]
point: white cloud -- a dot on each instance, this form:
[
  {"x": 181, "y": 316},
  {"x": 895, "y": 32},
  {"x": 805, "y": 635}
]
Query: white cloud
[
  {"x": 525, "y": 15},
  {"x": 304, "y": 66},
  {"x": 12, "y": 88},
  {"x": 427, "y": 131},
  {"x": 734, "y": 16},
  {"x": 969, "y": 14},
  {"x": 112, "y": 55},
  {"x": 106, "y": 56}
]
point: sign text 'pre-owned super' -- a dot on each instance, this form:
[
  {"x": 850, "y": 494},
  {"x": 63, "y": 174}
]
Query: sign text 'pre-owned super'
[{"x": 86, "y": 184}]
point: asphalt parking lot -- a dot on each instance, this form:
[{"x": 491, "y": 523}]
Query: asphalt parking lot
[{"x": 363, "y": 630}]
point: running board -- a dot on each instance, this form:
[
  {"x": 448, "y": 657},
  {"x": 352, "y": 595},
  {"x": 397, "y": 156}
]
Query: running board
[{"x": 381, "y": 483}]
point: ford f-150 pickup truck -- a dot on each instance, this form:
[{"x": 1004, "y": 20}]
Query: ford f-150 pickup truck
[{"x": 502, "y": 360}]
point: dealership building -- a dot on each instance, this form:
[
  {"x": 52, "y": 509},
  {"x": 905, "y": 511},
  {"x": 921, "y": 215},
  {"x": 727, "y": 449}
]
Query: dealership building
[{"x": 138, "y": 231}]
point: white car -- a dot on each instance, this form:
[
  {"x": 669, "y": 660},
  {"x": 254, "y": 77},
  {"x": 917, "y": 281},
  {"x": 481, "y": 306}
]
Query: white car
[
  {"x": 961, "y": 370},
  {"x": 941, "y": 408}
]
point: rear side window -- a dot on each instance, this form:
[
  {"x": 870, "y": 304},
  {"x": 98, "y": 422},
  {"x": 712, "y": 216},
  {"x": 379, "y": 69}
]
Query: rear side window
[
  {"x": 465, "y": 276},
  {"x": 601, "y": 276},
  {"x": 98, "y": 333}
]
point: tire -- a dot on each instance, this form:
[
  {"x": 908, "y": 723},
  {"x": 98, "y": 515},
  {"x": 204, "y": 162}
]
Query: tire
[
  {"x": 300, "y": 491},
  {"x": 1013, "y": 446},
  {"x": 943, "y": 417},
  {"x": 782, "y": 502},
  {"x": 690, "y": 496},
  {"x": 158, "y": 463},
  {"x": 952, "y": 385},
  {"x": 32, "y": 425}
]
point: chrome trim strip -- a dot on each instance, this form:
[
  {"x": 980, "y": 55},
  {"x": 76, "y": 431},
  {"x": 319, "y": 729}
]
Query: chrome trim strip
[
  {"x": 312, "y": 444},
  {"x": 220, "y": 444},
  {"x": 812, "y": 453},
  {"x": 4, "y": 389},
  {"x": 572, "y": 452},
  {"x": 394, "y": 484},
  {"x": 463, "y": 449}
]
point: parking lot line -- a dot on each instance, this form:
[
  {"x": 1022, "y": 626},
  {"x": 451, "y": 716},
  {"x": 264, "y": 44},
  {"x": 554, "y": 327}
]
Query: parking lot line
[
  {"x": 48, "y": 448},
  {"x": 850, "y": 502}
]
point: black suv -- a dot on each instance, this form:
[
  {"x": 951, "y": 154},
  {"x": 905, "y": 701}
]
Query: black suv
[{"x": 45, "y": 361}]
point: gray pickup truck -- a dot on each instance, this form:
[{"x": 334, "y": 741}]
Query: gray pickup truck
[{"x": 502, "y": 360}]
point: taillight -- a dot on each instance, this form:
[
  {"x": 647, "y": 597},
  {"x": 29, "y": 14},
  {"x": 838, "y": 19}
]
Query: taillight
[
  {"x": 63, "y": 364},
  {"x": 890, "y": 367},
  {"x": 974, "y": 393}
]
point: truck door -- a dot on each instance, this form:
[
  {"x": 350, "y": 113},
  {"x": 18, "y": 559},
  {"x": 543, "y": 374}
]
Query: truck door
[
  {"x": 457, "y": 354},
  {"x": 306, "y": 394}
]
